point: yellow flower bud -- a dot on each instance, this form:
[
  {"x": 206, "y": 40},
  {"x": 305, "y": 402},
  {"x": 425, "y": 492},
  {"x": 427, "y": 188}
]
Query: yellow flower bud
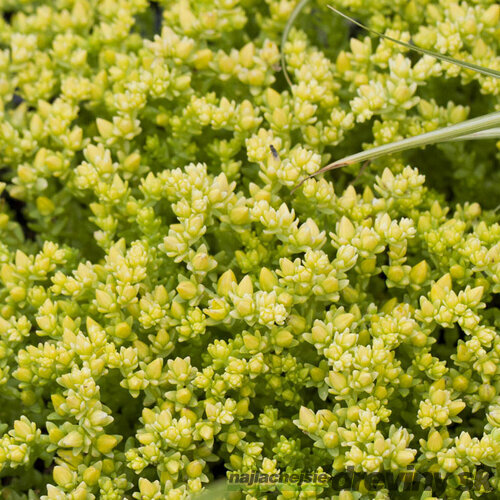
[
  {"x": 245, "y": 307},
  {"x": 24, "y": 430},
  {"x": 491, "y": 16},
  {"x": 343, "y": 63},
  {"x": 245, "y": 286},
  {"x": 225, "y": 283},
  {"x": 105, "y": 443},
  {"x": 187, "y": 290},
  {"x": 456, "y": 407},
  {"x": 177, "y": 310},
  {"x": 206, "y": 432},
  {"x": 256, "y": 77},
  {"x": 343, "y": 321},
  {"x": 267, "y": 280},
  {"x": 18, "y": 293},
  {"x": 148, "y": 489},
  {"x": 247, "y": 54},
  {"x": 280, "y": 118},
  {"x": 419, "y": 273},
  {"x": 345, "y": 229},
  {"x": 489, "y": 368},
  {"x": 105, "y": 128},
  {"x": 307, "y": 418},
  {"x": 91, "y": 475},
  {"x": 273, "y": 98},
  {"x": 345, "y": 495},
  {"x": 104, "y": 300},
  {"x": 123, "y": 330},
  {"x": 486, "y": 392},
  {"x": 331, "y": 440},
  {"x": 154, "y": 369},
  {"x": 194, "y": 469},
  {"x": 202, "y": 58},
  {"x": 449, "y": 464},
  {"x": 240, "y": 215},
  {"x": 380, "y": 392},
  {"x": 404, "y": 457},
  {"x": 284, "y": 338},
  {"x": 337, "y": 381},
  {"x": 72, "y": 440},
  {"x": 63, "y": 476},
  {"x": 183, "y": 396}
]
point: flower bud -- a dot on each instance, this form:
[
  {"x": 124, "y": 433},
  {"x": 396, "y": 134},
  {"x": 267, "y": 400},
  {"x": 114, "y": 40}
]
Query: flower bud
[
  {"x": 105, "y": 443},
  {"x": 63, "y": 476},
  {"x": 337, "y": 381},
  {"x": 187, "y": 290},
  {"x": 435, "y": 441},
  {"x": 225, "y": 283},
  {"x": 72, "y": 440}
]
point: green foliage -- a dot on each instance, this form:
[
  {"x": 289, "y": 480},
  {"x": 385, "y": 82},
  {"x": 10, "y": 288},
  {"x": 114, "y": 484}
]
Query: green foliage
[{"x": 169, "y": 311}]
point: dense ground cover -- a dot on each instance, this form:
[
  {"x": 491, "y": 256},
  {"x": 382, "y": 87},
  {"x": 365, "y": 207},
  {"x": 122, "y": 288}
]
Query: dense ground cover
[{"x": 170, "y": 311}]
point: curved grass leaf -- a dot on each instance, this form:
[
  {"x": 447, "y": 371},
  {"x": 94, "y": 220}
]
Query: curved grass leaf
[
  {"x": 437, "y": 55},
  {"x": 284, "y": 37},
  {"x": 492, "y": 133},
  {"x": 484, "y": 125}
]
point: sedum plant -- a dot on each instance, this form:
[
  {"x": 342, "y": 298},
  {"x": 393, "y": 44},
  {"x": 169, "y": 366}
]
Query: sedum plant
[
  {"x": 483, "y": 127},
  {"x": 171, "y": 313}
]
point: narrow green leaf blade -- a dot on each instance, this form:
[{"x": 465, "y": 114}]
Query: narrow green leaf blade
[
  {"x": 471, "y": 126},
  {"x": 441, "y": 57},
  {"x": 284, "y": 37},
  {"x": 492, "y": 133},
  {"x": 460, "y": 131}
]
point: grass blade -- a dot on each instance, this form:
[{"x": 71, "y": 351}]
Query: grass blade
[
  {"x": 284, "y": 37},
  {"x": 492, "y": 133},
  {"x": 475, "y": 126},
  {"x": 483, "y": 127},
  {"x": 441, "y": 57}
]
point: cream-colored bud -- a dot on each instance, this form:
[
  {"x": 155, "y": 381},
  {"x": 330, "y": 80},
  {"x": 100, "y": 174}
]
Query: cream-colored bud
[
  {"x": 404, "y": 457},
  {"x": 284, "y": 338},
  {"x": 435, "y": 441},
  {"x": 187, "y": 290},
  {"x": 337, "y": 381},
  {"x": 345, "y": 229},
  {"x": 240, "y": 215},
  {"x": 72, "y": 440},
  {"x": 63, "y": 476},
  {"x": 343, "y": 321},
  {"x": 420, "y": 272},
  {"x": 105, "y": 443},
  {"x": 225, "y": 283},
  {"x": 245, "y": 286},
  {"x": 267, "y": 280}
]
